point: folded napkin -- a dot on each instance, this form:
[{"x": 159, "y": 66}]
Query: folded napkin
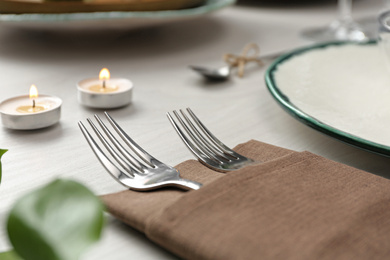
[{"x": 294, "y": 205}]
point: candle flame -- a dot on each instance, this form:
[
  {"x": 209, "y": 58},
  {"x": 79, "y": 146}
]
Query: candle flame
[
  {"x": 104, "y": 74},
  {"x": 33, "y": 92}
]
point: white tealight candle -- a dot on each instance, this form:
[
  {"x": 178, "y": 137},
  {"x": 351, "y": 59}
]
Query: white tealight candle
[
  {"x": 30, "y": 111},
  {"x": 105, "y": 92}
]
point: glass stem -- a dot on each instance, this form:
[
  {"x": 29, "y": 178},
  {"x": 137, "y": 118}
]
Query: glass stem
[
  {"x": 345, "y": 11},
  {"x": 386, "y": 4}
]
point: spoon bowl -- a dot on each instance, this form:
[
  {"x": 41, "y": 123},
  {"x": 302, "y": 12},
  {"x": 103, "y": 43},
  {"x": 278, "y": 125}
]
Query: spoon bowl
[
  {"x": 223, "y": 73},
  {"x": 218, "y": 74}
]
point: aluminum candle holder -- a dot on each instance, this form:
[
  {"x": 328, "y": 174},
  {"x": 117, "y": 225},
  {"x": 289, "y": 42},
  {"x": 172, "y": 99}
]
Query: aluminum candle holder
[
  {"x": 105, "y": 92},
  {"x": 19, "y": 113}
]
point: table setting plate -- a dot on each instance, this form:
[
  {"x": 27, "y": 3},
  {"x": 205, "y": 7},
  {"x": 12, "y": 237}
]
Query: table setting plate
[
  {"x": 340, "y": 89},
  {"x": 39, "y": 6},
  {"x": 141, "y": 16}
]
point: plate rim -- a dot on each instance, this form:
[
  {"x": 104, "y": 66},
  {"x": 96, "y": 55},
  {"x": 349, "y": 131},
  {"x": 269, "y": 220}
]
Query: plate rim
[
  {"x": 309, "y": 120},
  {"x": 208, "y": 6}
]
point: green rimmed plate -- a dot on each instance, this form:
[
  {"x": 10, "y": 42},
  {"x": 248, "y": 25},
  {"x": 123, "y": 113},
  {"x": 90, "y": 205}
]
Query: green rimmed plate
[
  {"x": 339, "y": 89},
  {"x": 109, "y": 20}
]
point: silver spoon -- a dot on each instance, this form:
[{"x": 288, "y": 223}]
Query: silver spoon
[
  {"x": 219, "y": 74},
  {"x": 223, "y": 73}
]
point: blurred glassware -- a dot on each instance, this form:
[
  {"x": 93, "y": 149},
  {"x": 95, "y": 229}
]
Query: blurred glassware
[{"x": 343, "y": 29}]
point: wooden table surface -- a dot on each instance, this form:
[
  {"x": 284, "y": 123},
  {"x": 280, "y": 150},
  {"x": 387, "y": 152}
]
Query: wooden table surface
[{"x": 156, "y": 59}]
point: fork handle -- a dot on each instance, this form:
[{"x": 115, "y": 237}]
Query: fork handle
[{"x": 187, "y": 184}]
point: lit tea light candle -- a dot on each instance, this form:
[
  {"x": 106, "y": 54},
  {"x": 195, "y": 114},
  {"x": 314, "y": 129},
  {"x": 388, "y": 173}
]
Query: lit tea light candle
[
  {"x": 104, "y": 87},
  {"x": 105, "y": 92},
  {"x": 30, "y": 111},
  {"x": 32, "y": 108}
]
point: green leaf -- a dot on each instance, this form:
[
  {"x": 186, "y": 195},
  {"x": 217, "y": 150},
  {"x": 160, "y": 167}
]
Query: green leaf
[
  {"x": 56, "y": 222},
  {"x": 2, "y": 151},
  {"x": 10, "y": 255}
]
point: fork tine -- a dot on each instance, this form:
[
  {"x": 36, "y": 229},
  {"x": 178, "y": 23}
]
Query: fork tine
[
  {"x": 146, "y": 157},
  {"x": 199, "y": 154},
  {"x": 197, "y": 138},
  {"x": 114, "y": 154},
  {"x": 206, "y": 144},
  {"x": 122, "y": 150},
  {"x": 108, "y": 165},
  {"x": 162, "y": 175},
  {"x": 214, "y": 139}
]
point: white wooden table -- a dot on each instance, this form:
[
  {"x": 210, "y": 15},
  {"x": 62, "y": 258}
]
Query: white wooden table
[{"x": 156, "y": 61}]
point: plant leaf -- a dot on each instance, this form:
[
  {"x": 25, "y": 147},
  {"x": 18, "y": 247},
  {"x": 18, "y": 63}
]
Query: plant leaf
[
  {"x": 2, "y": 151},
  {"x": 56, "y": 222},
  {"x": 10, "y": 255}
]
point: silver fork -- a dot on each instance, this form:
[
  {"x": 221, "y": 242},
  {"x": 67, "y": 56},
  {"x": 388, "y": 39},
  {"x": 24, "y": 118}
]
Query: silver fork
[
  {"x": 205, "y": 146},
  {"x": 144, "y": 173}
]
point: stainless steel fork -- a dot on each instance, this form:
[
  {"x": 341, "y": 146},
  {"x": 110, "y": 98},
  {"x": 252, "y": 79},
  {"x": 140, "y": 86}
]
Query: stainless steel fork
[
  {"x": 144, "y": 173},
  {"x": 205, "y": 146}
]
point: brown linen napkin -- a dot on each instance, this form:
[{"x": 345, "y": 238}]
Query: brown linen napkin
[
  {"x": 292, "y": 206},
  {"x": 136, "y": 208}
]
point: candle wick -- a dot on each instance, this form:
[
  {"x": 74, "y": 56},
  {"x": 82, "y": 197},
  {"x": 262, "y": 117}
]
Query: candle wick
[
  {"x": 33, "y": 103},
  {"x": 104, "y": 84}
]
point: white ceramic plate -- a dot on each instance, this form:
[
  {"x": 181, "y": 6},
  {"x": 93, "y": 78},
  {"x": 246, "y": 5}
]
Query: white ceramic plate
[
  {"x": 342, "y": 90},
  {"x": 108, "y": 20}
]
